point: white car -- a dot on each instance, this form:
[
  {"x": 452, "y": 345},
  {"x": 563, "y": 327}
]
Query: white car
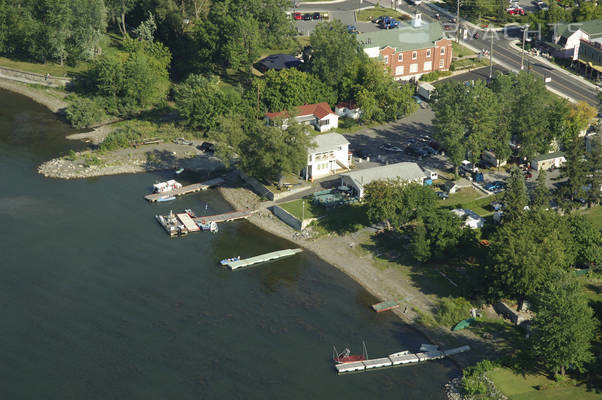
[{"x": 415, "y": 2}]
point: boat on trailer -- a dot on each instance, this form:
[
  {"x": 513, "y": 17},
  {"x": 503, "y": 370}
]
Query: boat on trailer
[{"x": 346, "y": 357}]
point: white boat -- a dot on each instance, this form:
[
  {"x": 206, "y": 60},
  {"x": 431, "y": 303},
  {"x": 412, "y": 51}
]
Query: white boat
[
  {"x": 166, "y": 198},
  {"x": 168, "y": 186},
  {"x": 211, "y": 227}
]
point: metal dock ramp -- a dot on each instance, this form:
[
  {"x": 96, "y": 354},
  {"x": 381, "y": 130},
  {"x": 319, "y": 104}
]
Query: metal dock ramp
[{"x": 263, "y": 258}]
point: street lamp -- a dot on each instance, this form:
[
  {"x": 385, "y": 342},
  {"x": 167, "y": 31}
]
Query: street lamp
[{"x": 522, "y": 54}]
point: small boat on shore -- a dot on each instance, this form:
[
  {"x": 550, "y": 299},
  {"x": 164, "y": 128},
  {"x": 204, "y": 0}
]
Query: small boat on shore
[
  {"x": 179, "y": 171},
  {"x": 226, "y": 261},
  {"x": 346, "y": 357},
  {"x": 166, "y": 198},
  {"x": 385, "y": 305}
]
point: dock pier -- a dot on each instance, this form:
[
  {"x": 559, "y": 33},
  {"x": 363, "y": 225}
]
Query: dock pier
[
  {"x": 262, "y": 258},
  {"x": 397, "y": 359},
  {"x": 225, "y": 217},
  {"x": 195, "y": 187},
  {"x": 181, "y": 224}
]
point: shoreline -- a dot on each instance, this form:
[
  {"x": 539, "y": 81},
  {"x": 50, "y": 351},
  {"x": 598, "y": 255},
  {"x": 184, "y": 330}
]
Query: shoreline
[
  {"x": 338, "y": 252},
  {"x": 52, "y": 103}
]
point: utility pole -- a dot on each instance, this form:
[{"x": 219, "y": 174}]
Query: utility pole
[
  {"x": 458, "y": 23},
  {"x": 491, "y": 54},
  {"x": 522, "y": 54}
]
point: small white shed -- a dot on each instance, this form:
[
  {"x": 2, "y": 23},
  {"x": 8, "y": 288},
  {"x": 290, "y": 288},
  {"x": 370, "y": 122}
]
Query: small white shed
[{"x": 547, "y": 161}]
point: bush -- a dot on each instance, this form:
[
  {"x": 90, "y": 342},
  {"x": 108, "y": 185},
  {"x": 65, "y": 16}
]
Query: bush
[
  {"x": 453, "y": 310},
  {"x": 473, "y": 382},
  {"x": 84, "y": 112},
  {"x": 434, "y": 75}
]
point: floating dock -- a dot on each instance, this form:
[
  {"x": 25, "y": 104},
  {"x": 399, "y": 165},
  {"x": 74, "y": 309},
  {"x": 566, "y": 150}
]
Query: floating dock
[
  {"x": 262, "y": 258},
  {"x": 188, "y": 222},
  {"x": 196, "y": 187},
  {"x": 172, "y": 225},
  {"x": 401, "y": 358},
  {"x": 386, "y": 305},
  {"x": 225, "y": 217}
]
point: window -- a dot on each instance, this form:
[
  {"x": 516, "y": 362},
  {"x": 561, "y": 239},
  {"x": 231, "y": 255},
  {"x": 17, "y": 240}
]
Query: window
[
  {"x": 442, "y": 51},
  {"x": 413, "y": 68},
  {"x": 414, "y": 55},
  {"x": 428, "y": 65},
  {"x": 386, "y": 59},
  {"x": 428, "y": 53},
  {"x": 441, "y": 63},
  {"x": 323, "y": 122},
  {"x": 400, "y": 57},
  {"x": 399, "y": 70}
]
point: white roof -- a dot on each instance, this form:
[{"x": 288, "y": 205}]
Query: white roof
[
  {"x": 472, "y": 220},
  {"x": 328, "y": 142},
  {"x": 407, "y": 171}
]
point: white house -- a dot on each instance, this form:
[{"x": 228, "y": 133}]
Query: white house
[
  {"x": 319, "y": 115},
  {"x": 471, "y": 218},
  {"x": 328, "y": 157},
  {"x": 568, "y": 36},
  {"x": 547, "y": 161},
  {"x": 405, "y": 171},
  {"x": 347, "y": 109}
]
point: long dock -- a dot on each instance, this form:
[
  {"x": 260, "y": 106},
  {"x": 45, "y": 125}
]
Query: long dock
[
  {"x": 396, "y": 359},
  {"x": 225, "y": 217},
  {"x": 195, "y": 187},
  {"x": 263, "y": 258}
]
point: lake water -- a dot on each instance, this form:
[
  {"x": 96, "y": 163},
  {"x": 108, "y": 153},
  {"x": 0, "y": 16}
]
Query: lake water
[{"x": 97, "y": 302}]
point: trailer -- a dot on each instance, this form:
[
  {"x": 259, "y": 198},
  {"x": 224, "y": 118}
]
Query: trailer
[{"x": 425, "y": 90}]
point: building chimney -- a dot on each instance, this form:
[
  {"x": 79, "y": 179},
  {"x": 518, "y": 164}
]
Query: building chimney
[{"x": 417, "y": 22}]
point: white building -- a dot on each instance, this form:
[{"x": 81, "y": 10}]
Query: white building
[
  {"x": 405, "y": 171},
  {"x": 319, "y": 115},
  {"x": 568, "y": 36},
  {"x": 547, "y": 161},
  {"x": 471, "y": 218},
  {"x": 348, "y": 110},
  {"x": 330, "y": 156}
]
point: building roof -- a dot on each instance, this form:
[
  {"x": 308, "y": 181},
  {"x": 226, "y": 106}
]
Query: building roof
[
  {"x": 328, "y": 142},
  {"x": 548, "y": 156},
  {"x": 279, "y": 62},
  {"x": 319, "y": 110},
  {"x": 404, "y": 38},
  {"x": 347, "y": 104},
  {"x": 406, "y": 171},
  {"x": 593, "y": 28}
]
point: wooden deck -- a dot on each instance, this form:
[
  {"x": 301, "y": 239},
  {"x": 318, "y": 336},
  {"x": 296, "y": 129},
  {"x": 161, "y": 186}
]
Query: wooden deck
[
  {"x": 195, "y": 187},
  {"x": 229, "y": 216},
  {"x": 188, "y": 222}
]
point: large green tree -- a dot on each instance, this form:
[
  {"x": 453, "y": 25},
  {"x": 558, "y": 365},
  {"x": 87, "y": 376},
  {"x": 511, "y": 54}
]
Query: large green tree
[
  {"x": 564, "y": 325},
  {"x": 540, "y": 198},
  {"x": 585, "y": 246},
  {"x": 202, "y": 100},
  {"x": 575, "y": 172},
  {"x": 525, "y": 252},
  {"x": 515, "y": 196},
  {"x": 443, "y": 236}
]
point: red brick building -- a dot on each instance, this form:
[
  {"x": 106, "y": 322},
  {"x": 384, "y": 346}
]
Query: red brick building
[{"x": 415, "y": 48}]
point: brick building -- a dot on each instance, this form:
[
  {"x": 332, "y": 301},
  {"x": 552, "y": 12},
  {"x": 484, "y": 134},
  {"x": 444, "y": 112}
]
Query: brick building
[{"x": 415, "y": 48}]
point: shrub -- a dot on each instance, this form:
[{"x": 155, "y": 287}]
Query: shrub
[
  {"x": 473, "y": 382},
  {"x": 452, "y": 310},
  {"x": 84, "y": 112},
  {"x": 434, "y": 75}
]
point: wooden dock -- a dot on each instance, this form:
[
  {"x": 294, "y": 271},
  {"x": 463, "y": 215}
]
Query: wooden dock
[
  {"x": 188, "y": 222},
  {"x": 225, "y": 217},
  {"x": 195, "y": 187},
  {"x": 263, "y": 258},
  {"x": 396, "y": 359}
]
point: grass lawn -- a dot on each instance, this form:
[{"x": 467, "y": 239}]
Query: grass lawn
[
  {"x": 303, "y": 207},
  {"x": 470, "y": 199},
  {"x": 594, "y": 214},
  {"x": 38, "y": 68},
  {"x": 348, "y": 125},
  {"x": 461, "y": 51},
  {"x": 472, "y": 63},
  {"x": 364, "y": 15},
  {"x": 524, "y": 387}
]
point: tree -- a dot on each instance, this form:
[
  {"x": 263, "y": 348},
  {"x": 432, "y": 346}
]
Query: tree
[
  {"x": 420, "y": 245},
  {"x": 397, "y": 202},
  {"x": 575, "y": 171},
  {"x": 228, "y": 134},
  {"x": 515, "y": 196},
  {"x": 202, "y": 100},
  {"x": 443, "y": 232},
  {"x": 147, "y": 28},
  {"x": 334, "y": 50},
  {"x": 525, "y": 252},
  {"x": 558, "y": 114},
  {"x": 564, "y": 326},
  {"x": 285, "y": 89},
  {"x": 57, "y": 22},
  {"x": 541, "y": 194},
  {"x": 242, "y": 43},
  {"x": 594, "y": 169},
  {"x": 118, "y": 9},
  {"x": 585, "y": 248},
  {"x": 269, "y": 151}
]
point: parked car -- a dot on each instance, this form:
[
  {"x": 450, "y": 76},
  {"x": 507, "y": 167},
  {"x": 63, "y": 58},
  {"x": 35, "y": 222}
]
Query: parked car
[
  {"x": 390, "y": 147},
  {"x": 307, "y": 17},
  {"x": 516, "y": 11},
  {"x": 297, "y": 16},
  {"x": 182, "y": 141},
  {"x": 389, "y": 23},
  {"x": 316, "y": 15},
  {"x": 528, "y": 175},
  {"x": 352, "y": 29},
  {"x": 207, "y": 147},
  {"x": 379, "y": 19},
  {"x": 442, "y": 195}
]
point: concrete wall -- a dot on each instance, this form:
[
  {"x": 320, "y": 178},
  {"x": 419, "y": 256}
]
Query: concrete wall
[
  {"x": 264, "y": 192},
  {"x": 290, "y": 219},
  {"x": 30, "y": 76}
]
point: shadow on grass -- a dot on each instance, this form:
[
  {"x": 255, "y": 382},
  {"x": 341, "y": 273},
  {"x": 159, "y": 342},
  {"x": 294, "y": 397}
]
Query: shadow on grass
[{"x": 342, "y": 220}]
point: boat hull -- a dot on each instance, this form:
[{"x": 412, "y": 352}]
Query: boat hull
[{"x": 349, "y": 359}]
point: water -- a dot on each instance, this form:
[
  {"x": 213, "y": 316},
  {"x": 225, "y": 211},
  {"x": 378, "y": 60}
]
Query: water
[{"x": 96, "y": 302}]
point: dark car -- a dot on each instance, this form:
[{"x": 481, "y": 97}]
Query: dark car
[
  {"x": 207, "y": 147},
  {"x": 380, "y": 19},
  {"x": 316, "y": 15},
  {"x": 307, "y": 17},
  {"x": 442, "y": 195}
]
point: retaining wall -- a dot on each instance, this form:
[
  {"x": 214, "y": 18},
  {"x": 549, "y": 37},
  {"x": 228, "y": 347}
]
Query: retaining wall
[{"x": 290, "y": 219}]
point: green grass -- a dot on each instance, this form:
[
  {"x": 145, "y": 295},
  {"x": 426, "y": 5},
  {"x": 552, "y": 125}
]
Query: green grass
[
  {"x": 471, "y": 199},
  {"x": 303, "y": 208},
  {"x": 39, "y": 68},
  {"x": 525, "y": 387},
  {"x": 348, "y": 125},
  {"x": 594, "y": 214},
  {"x": 472, "y": 63},
  {"x": 461, "y": 51},
  {"x": 364, "y": 15}
]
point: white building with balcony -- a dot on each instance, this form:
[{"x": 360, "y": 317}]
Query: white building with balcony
[{"x": 329, "y": 156}]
